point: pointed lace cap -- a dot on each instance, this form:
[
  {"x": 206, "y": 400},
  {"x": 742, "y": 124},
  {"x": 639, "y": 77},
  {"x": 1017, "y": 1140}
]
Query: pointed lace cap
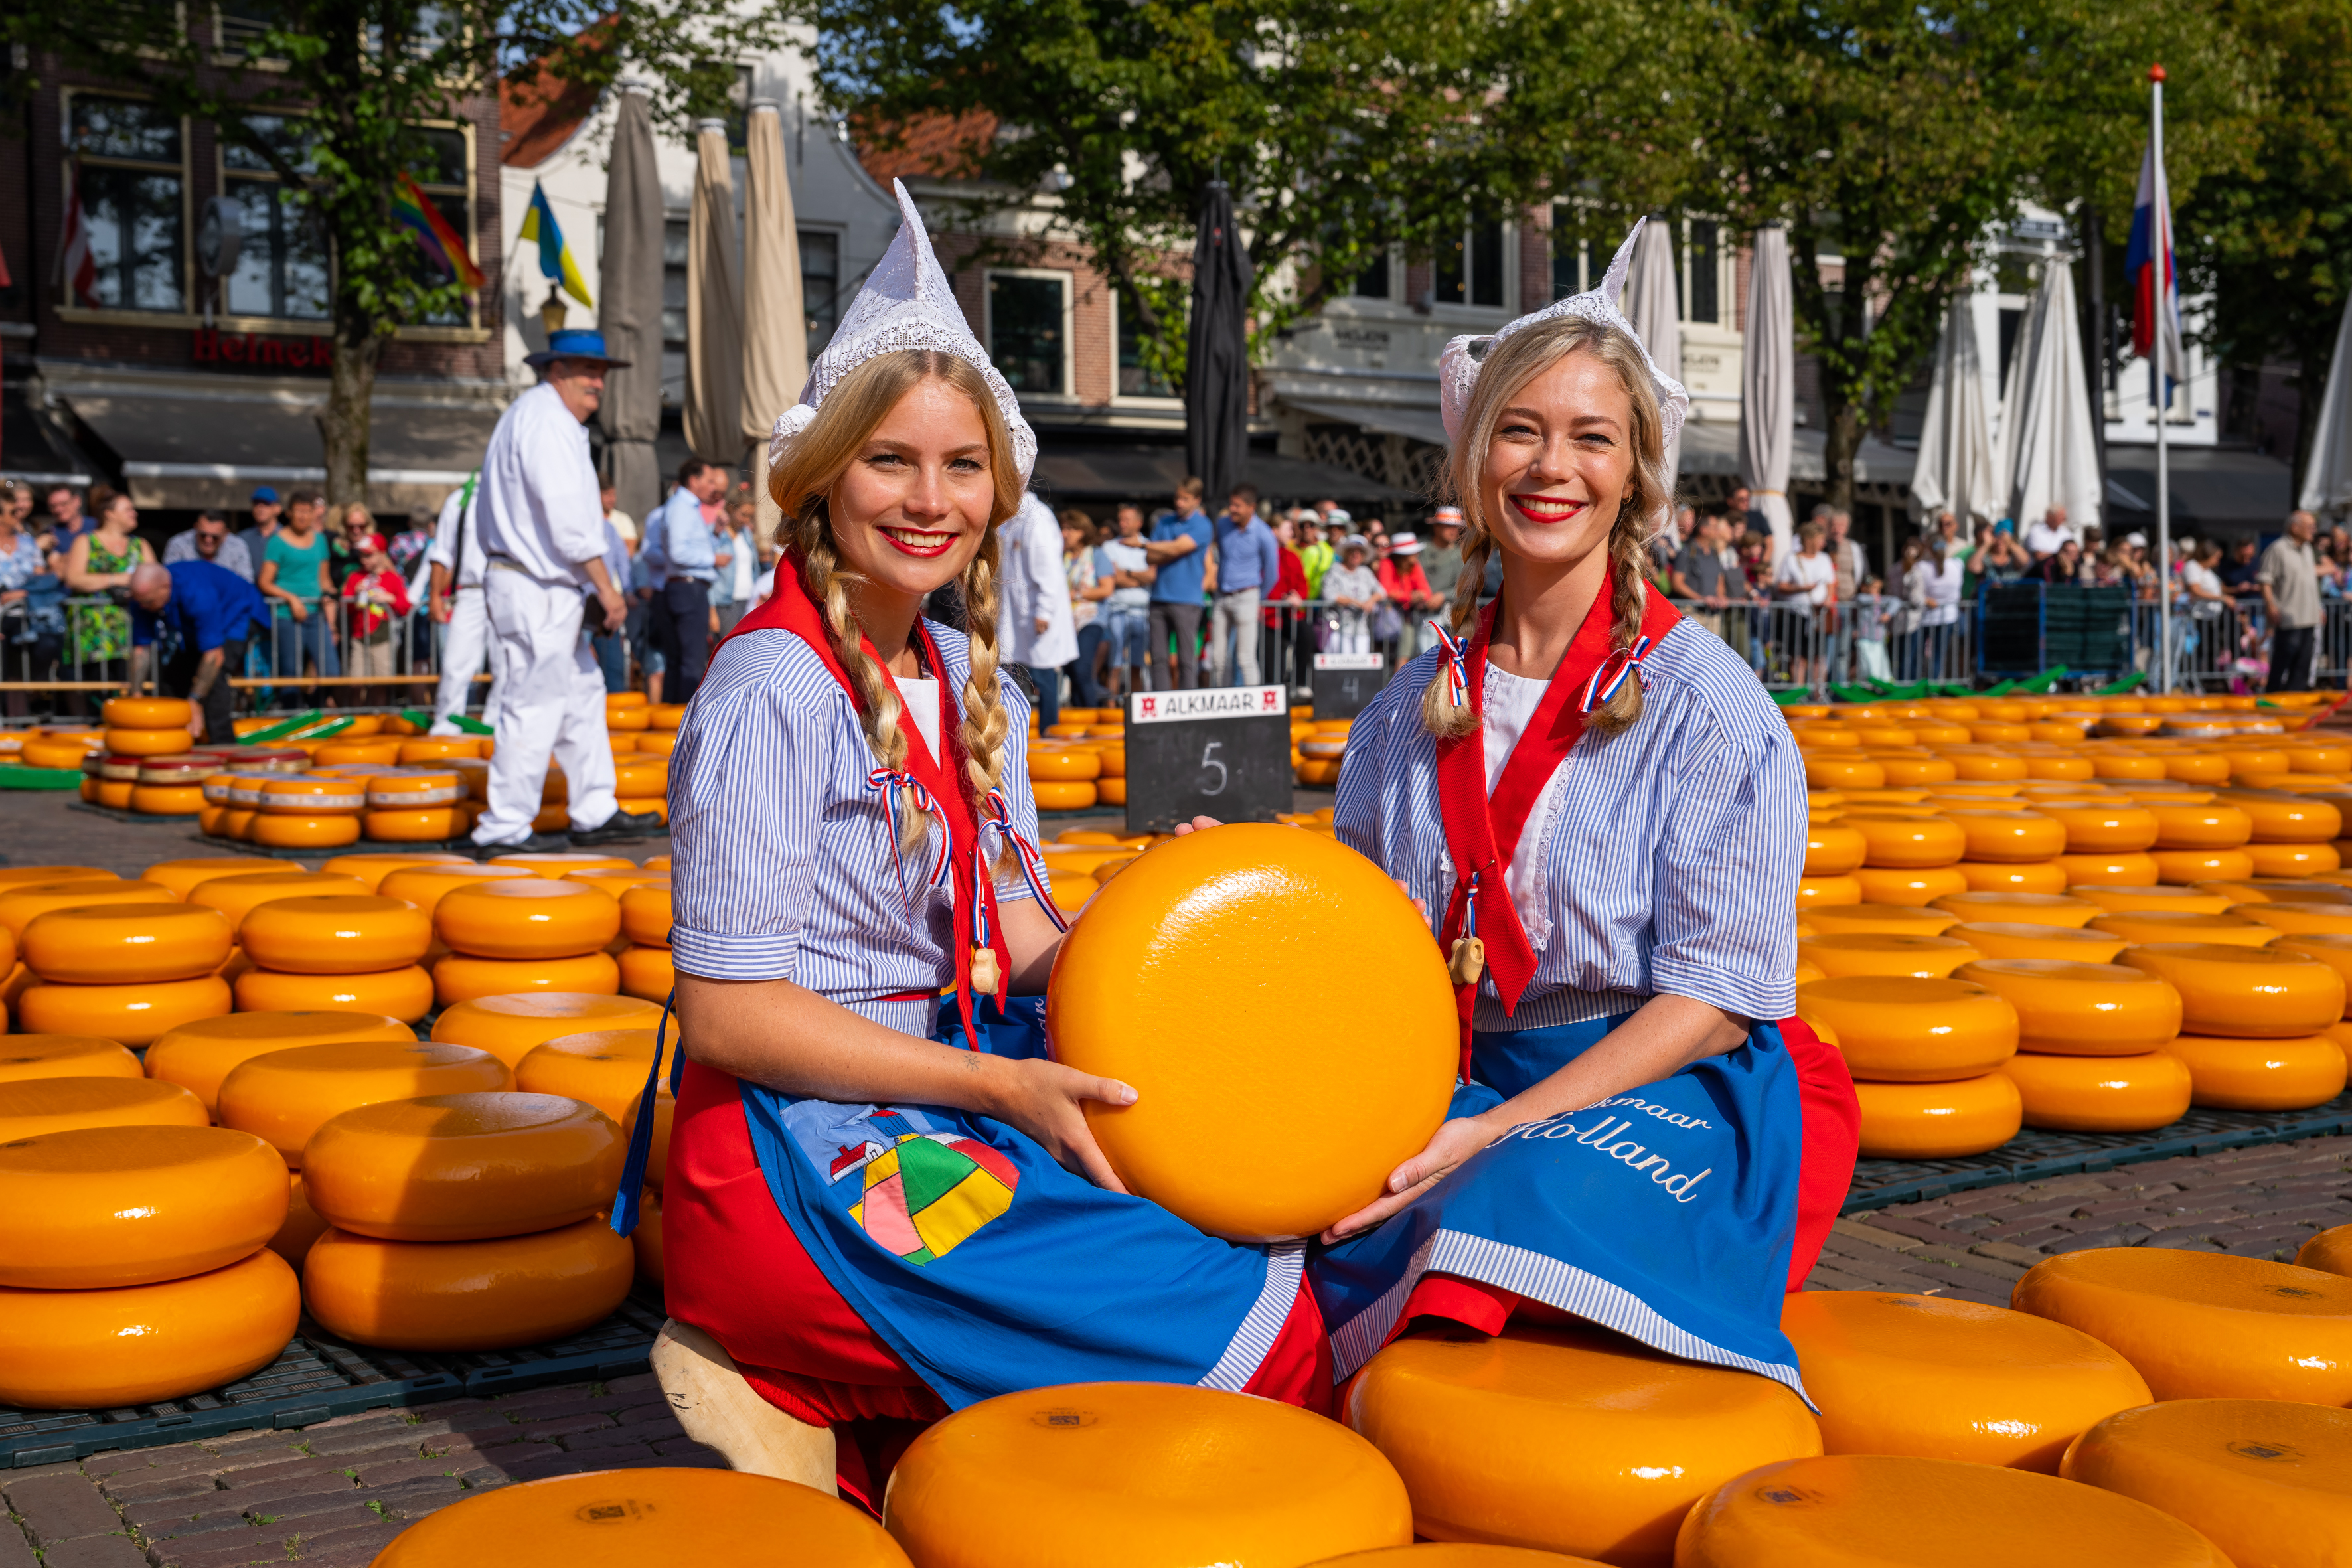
[{"x": 906, "y": 303}]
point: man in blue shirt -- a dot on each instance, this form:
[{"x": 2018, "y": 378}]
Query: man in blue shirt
[
  {"x": 203, "y": 615},
  {"x": 1249, "y": 563},
  {"x": 683, "y": 563},
  {"x": 1179, "y": 547}
]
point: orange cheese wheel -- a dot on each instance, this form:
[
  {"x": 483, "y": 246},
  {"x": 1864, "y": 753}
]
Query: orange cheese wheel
[
  {"x": 2019, "y": 909},
  {"x": 2291, "y": 859},
  {"x": 1855, "y": 1510},
  {"x": 557, "y": 864},
  {"x": 2004, "y": 939},
  {"x": 167, "y": 800},
  {"x": 1832, "y": 849},
  {"x": 1940, "y": 1379},
  {"x": 461, "y": 977},
  {"x": 463, "y": 1167},
  {"x": 121, "y": 943},
  {"x": 653, "y": 806},
  {"x": 2196, "y": 767},
  {"x": 133, "y": 1013},
  {"x": 1878, "y": 953},
  {"x": 665, "y": 1115},
  {"x": 467, "y": 1295},
  {"x": 241, "y": 895},
  {"x": 414, "y": 789},
  {"x": 2069, "y": 769},
  {"x": 509, "y": 1026},
  {"x": 1983, "y": 790},
  {"x": 646, "y": 971},
  {"x": 1939, "y": 1121},
  {"x": 302, "y": 1226},
  {"x": 312, "y": 796},
  {"x": 2205, "y": 1325},
  {"x": 603, "y": 1068},
  {"x": 2281, "y": 818},
  {"x": 630, "y": 1519},
  {"x": 146, "y": 714},
  {"x": 2100, "y": 1094},
  {"x": 1054, "y": 764},
  {"x": 2293, "y": 891},
  {"x": 1063, "y": 1461},
  {"x": 2182, "y": 925},
  {"x": 20, "y": 904},
  {"x": 346, "y": 750},
  {"x": 2329, "y": 947},
  {"x": 2117, "y": 868},
  {"x": 1909, "y": 1029},
  {"x": 31, "y": 1107},
  {"x": 424, "y": 750},
  {"x": 65, "y": 1055},
  {"x": 1894, "y": 920},
  {"x": 1569, "y": 1440},
  {"x": 15, "y": 877},
  {"x": 426, "y": 885},
  {"x": 2211, "y": 825},
  {"x": 2330, "y": 1250},
  {"x": 289, "y": 832},
  {"x": 347, "y": 933},
  {"x": 2264, "y": 1480},
  {"x": 372, "y": 866},
  {"x": 1912, "y": 888},
  {"x": 1816, "y": 891},
  {"x": 114, "y": 793},
  {"x": 196, "y": 1056},
  {"x": 2124, "y": 900},
  {"x": 156, "y": 742},
  {"x": 405, "y": 992},
  {"x": 1052, "y": 797},
  {"x": 2235, "y": 1074},
  {"x": 2242, "y": 991},
  {"x": 183, "y": 877},
  {"x": 2008, "y": 836},
  {"x": 2080, "y": 1008},
  {"x": 286, "y": 1096},
  {"x": 1980, "y": 768},
  {"x": 98, "y": 1207},
  {"x": 533, "y": 919},
  {"x": 612, "y": 881},
  {"x": 415, "y": 825},
  {"x": 1830, "y": 772},
  {"x": 143, "y": 1345},
  {"x": 1913, "y": 770},
  {"x": 2298, "y": 920},
  {"x": 2012, "y": 877},
  {"x": 1905, "y": 843}
]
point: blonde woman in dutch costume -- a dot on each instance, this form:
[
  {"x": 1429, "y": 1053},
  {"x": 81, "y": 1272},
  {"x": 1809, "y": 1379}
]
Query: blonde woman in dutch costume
[
  {"x": 1605, "y": 814},
  {"x": 880, "y": 1208}
]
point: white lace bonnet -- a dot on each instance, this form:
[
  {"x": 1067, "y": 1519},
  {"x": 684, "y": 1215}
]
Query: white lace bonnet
[
  {"x": 905, "y": 304},
  {"x": 1457, "y": 365}
]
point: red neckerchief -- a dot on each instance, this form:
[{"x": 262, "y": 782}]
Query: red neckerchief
[
  {"x": 789, "y": 609},
  {"x": 1483, "y": 833}
]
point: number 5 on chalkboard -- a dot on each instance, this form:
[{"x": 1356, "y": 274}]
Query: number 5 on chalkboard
[{"x": 1209, "y": 761}]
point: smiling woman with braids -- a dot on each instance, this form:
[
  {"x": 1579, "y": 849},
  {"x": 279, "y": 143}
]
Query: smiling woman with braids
[{"x": 880, "y": 1205}]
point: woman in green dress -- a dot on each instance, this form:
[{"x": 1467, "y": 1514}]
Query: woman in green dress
[{"x": 100, "y": 564}]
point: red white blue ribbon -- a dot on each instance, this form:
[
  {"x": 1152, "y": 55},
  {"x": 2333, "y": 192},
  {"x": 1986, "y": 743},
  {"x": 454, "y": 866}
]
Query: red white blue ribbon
[
  {"x": 1457, "y": 664},
  {"x": 998, "y": 820},
  {"x": 893, "y": 783},
  {"x": 1620, "y": 667}
]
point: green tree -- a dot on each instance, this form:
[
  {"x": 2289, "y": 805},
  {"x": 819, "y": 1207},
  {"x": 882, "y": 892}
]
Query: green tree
[{"x": 334, "y": 96}]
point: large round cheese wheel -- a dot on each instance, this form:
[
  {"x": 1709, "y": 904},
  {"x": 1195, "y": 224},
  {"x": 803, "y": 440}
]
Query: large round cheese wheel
[
  {"x": 1981, "y": 768},
  {"x": 372, "y": 866},
  {"x": 2205, "y": 1325},
  {"x": 1187, "y": 963},
  {"x": 2082, "y": 1009},
  {"x": 467, "y": 1295},
  {"x": 2005, "y": 938},
  {"x": 1829, "y": 772},
  {"x": 1570, "y": 1440},
  {"x": 33, "y": 1106},
  {"x": 2189, "y": 868},
  {"x": 148, "y": 743},
  {"x": 2127, "y": 901},
  {"x": 2182, "y": 925},
  {"x": 533, "y": 919},
  {"x": 509, "y": 1026},
  {"x": 612, "y": 881},
  {"x": 302, "y": 1226},
  {"x": 1911, "y": 889},
  {"x": 2330, "y": 1250},
  {"x": 1856, "y": 1510},
  {"x": 2008, "y": 836},
  {"x": 461, "y": 977},
  {"x": 23, "y": 902},
  {"x": 102, "y": 1206},
  {"x": 239, "y": 896},
  {"x": 2323, "y": 888},
  {"x": 286, "y": 1095},
  {"x": 65, "y": 1055},
  {"x": 1893, "y": 919},
  {"x": 1902, "y": 768},
  {"x": 1831, "y": 849},
  {"x": 198, "y": 1054},
  {"x": 554, "y": 865},
  {"x": 1812, "y": 891},
  {"x": 1909, "y": 1029},
  {"x": 1905, "y": 843},
  {"x": 146, "y": 714},
  {"x": 463, "y": 1167},
  {"x": 645, "y": 912},
  {"x": 132, "y": 1014},
  {"x": 2330, "y": 948},
  {"x": 1049, "y": 1477},
  {"x": 646, "y": 971},
  {"x": 1941, "y": 1379},
  {"x": 1879, "y": 952},
  {"x": 2127, "y": 868},
  {"x": 2100, "y": 1094},
  {"x": 2291, "y": 859},
  {"x": 2283, "y": 818},
  {"x": 105, "y": 944},
  {"x": 2205, "y": 825},
  {"x": 1939, "y": 1121},
  {"x": 2237, "y": 1074},
  {"x": 183, "y": 877},
  {"x": 603, "y": 1068},
  {"x": 2012, "y": 877},
  {"x": 639, "y": 1518},
  {"x": 405, "y": 993},
  {"x": 426, "y": 885},
  {"x": 2019, "y": 909},
  {"x": 349, "y": 933},
  {"x": 2296, "y": 918},
  {"x": 292, "y": 832},
  {"x": 143, "y": 1345},
  {"x": 2265, "y": 1480},
  {"x": 2243, "y": 991}
]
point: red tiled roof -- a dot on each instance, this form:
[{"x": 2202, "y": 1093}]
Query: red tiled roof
[
  {"x": 538, "y": 117},
  {"x": 938, "y": 146}
]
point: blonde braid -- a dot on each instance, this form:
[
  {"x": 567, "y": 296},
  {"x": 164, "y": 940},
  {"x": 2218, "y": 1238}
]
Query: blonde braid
[
  {"x": 1629, "y": 598},
  {"x": 986, "y": 724},
  {"x": 878, "y": 702},
  {"x": 1441, "y": 715}
]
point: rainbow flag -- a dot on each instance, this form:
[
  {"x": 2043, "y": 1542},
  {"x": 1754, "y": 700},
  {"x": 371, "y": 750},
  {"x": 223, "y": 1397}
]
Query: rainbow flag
[
  {"x": 441, "y": 243},
  {"x": 555, "y": 262}
]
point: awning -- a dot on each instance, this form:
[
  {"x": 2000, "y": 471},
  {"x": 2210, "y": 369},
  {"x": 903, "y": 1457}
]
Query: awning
[
  {"x": 1149, "y": 475},
  {"x": 1712, "y": 446},
  {"x": 33, "y": 446},
  {"x": 2212, "y": 487},
  {"x": 1413, "y": 421}
]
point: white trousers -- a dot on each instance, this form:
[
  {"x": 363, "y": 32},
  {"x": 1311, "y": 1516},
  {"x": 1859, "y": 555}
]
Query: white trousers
[
  {"x": 552, "y": 702},
  {"x": 464, "y": 642}
]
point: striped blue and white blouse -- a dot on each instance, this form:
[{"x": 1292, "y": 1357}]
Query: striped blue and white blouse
[
  {"x": 1668, "y": 855},
  {"x": 781, "y": 865}
]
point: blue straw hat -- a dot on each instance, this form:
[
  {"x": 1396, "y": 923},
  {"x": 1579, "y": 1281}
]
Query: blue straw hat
[{"x": 574, "y": 342}]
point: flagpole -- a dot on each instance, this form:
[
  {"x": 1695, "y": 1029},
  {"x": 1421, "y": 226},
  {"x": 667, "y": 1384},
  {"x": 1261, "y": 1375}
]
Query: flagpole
[{"x": 2158, "y": 400}]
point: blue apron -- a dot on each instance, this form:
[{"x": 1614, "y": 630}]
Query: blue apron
[
  {"x": 1666, "y": 1213},
  {"x": 989, "y": 1267}
]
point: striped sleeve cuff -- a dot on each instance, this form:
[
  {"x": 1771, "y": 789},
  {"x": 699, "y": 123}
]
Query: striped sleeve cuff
[
  {"x": 1743, "y": 995},
  {"x": 715, "y": 955}
]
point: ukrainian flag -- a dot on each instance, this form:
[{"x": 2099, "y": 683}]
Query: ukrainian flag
[{"x": 555, "y": 262}]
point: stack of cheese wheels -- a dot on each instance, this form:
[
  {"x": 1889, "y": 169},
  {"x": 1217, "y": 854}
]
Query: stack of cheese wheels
[
  {"x": 2253, "y": 1022},
  {"x": 417, "y": 805},
  {"x": 1906, "y": 858},
  {"x": 1849, "y": 1510},
  {"x": 147, "y": 726},
  {"x": 196, "y": 1057},
  {"x": 426, "y": 885},
  {"x": 509, "y": 1027},
  {"x": 1941, "y": 1379},
  {"x": 464, "y": 1222},
  {"x": 373, "y": 865},
  {"x": 530, "y": 933},
  {"x": 1318, "y": 751},
  {"x": 309, "y": 811},
  {"x": 1232, "y": 1480},
  {"x": 2295, "y": 831},
  {"x": 336, "y": 953},
  {"x": 1061, "y": 775},
  {"x": 172, "y": 786},
  {"x": 1570, "y": 1440},
  {"x": 2093, "y": 1046},
  {"x": 640, "y": 784},
  {"x": 184, "y": 877},
  {"x": 1841, "y": 953},
  {"x": 2264, "y": 1481},
  {"x": 2205, "y": 1325},
  {"x": 285, "y": 1096},
  {"x": 1925, "y": 1055},
  {"x": 129, "y": 972},
  {"x": 644, "y": 964},
  {"x": 239, "y": 895},
  {"x": 630, "y": 1519},
  {"x": 134, "y": 1264}
]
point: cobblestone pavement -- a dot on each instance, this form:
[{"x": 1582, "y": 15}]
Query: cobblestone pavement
[{"x": 333, "y": 1494}]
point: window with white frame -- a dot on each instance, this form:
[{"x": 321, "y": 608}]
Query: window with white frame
[
  {"x": 1470, "y": 270},
  {"x": 129, "y": 167},
  {"x": 1029, "y": 330}
]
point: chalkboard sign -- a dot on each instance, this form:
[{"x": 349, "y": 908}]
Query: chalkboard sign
[
  {"x": 1345, "y": 682},
  {"x": 1224, "y": 752}
]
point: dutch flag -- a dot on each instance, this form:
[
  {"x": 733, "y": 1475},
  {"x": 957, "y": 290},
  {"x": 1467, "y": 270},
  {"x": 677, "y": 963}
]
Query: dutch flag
[{"x": 2149, "y": 265}]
